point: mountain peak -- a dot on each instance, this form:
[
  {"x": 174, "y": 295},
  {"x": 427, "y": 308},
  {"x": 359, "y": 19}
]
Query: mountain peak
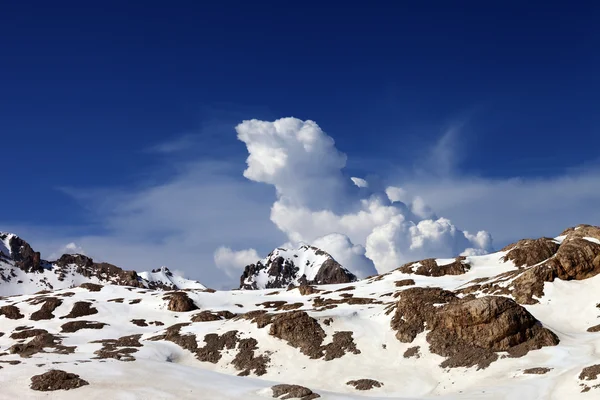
[{"x": 304, "y": 265}]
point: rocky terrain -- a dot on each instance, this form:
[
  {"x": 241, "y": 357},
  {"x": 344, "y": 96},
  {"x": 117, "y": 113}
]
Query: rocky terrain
[
  {"x": 520, "y": 323},
  {"x": 22, "y": 271},
  {"x": 306, "y": 265}
]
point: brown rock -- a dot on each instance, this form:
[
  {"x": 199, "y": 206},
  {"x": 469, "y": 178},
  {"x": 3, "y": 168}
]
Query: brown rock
[
  {"x": 246, "y": 361},
  {"x": 74, "y": 326},
  {"x": 365, "y": 384},
  {"x": 414, "y": 308},
  {"x": 528, "y": 252},
  {"x": 118, "y": 349},
  {"x": 80, "y": 309},
  {"x": 595, "y": 328},
  {"x": 173, "y": 334},
  {"x": 429, "y": 267},
  {"x": 211, "y": 352},
  {"x": 39, "y": 344},
  {"x": 412, "y": 352},
  {"x": 27, "y": 333},
  {"x": 305, "y": 290},
  {"x": 207, "y": 316},
  {"x": 180, "y": 302},
  {"x": 537, "y": 371},
  {"x": 11, "y": 312},
  {"x": 139, "y": 322},
  {"x": 56, "y": 380},
  {"x": 469, "y": 332},
  {"x": 45, "y": 312},
  {"x": 299, "y": 330},
  {"x": 590, "y": 373},
  {"x": 293, "y": 392},
  {"x": 341, "y": 344},
  {"x": 92, "y": 287},
  {"x": 405, "y": 282}
]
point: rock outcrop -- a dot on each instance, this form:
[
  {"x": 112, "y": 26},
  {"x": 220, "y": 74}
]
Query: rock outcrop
[
  {"x": 468, "y": 331},
  {"x": 56, "y": 379},
  {"x": 306, "y": 265}
]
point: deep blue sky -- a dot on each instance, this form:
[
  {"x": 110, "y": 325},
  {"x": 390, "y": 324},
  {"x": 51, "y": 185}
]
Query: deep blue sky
[{"x": 85, "y": 89}]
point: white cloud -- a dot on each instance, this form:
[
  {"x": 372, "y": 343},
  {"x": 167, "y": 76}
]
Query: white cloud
[
  {"x": 69, "y": 248},
  {"x": 361, "y": 183},
  {"x": 314, "y": 199},
  {"x": 234, "y": 262},
  {"x": 352, "y": 256}
]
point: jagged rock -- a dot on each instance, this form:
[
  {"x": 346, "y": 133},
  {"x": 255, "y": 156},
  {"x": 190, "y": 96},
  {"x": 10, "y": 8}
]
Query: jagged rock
[
  {"x": 577, "y": 258},
  {"x": 283, "y": 268},
  {"x": 528, "y": 252},
  {"x": 56, "y": 380},
  {"x": 22, "y": 254}
]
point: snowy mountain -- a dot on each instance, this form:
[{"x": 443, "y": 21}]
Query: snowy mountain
[
  {"x": 285, "y": 267},
  {"x": 22, "y": 271},
  {"x": 522, "y": 323}
]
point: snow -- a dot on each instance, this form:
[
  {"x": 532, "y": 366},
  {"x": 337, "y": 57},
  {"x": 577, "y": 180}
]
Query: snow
[
  {"x": 592, "y": 239},
  {"x": 5, "y": 243},
  {"x": 166, "y": 277},
  {"x": 163, "y": 370}
]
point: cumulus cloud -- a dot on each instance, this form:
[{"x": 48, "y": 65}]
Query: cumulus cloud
[
  {"x": 352, "y": 256},
  {"x": 233, "y": 262},
  {"x": 69, "y": 248},
  {"x": 315, "y": 200}
]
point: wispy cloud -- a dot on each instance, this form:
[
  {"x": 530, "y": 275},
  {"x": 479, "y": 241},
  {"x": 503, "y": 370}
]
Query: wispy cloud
[{"x": 180, "y": 143}]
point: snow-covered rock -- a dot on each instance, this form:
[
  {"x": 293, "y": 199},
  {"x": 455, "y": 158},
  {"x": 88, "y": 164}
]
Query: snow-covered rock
[
  {"x": 22, "y": 271},
  {"x": 301, "y": 266}
]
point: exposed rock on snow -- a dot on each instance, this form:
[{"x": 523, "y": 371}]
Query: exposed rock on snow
[
  {"x": 307, "y": 265},
  {"x": 57, "y": 380},
  {"x": 364, "y": 384},
  {"x": 293, "y": 392},
  {"x": 528, "y": 252},
  {"x": 430, "y": 267},
  {"x": 22, "y": 271},
  {"x": 457, "y": 313},
  {"x": 180, "y": 302}
]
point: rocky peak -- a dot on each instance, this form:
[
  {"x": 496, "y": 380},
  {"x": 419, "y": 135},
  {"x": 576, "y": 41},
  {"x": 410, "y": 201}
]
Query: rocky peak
[
  {"x": 301, "y": 266},
  {"x": 16, "y": 249}
]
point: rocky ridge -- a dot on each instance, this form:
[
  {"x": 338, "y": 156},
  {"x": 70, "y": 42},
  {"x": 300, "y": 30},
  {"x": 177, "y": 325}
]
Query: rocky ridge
[{"x": 455, "y": 327}]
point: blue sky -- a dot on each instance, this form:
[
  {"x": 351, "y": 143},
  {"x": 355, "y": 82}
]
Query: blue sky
[{"x": 475, "y": 107}]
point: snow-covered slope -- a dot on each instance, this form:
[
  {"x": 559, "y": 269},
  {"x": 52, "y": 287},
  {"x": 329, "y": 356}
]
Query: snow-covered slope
[
  {"x": 23, "y": 272},
  {"x": 284, "y": 267},
  {"x": 522, "y": 323}
]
